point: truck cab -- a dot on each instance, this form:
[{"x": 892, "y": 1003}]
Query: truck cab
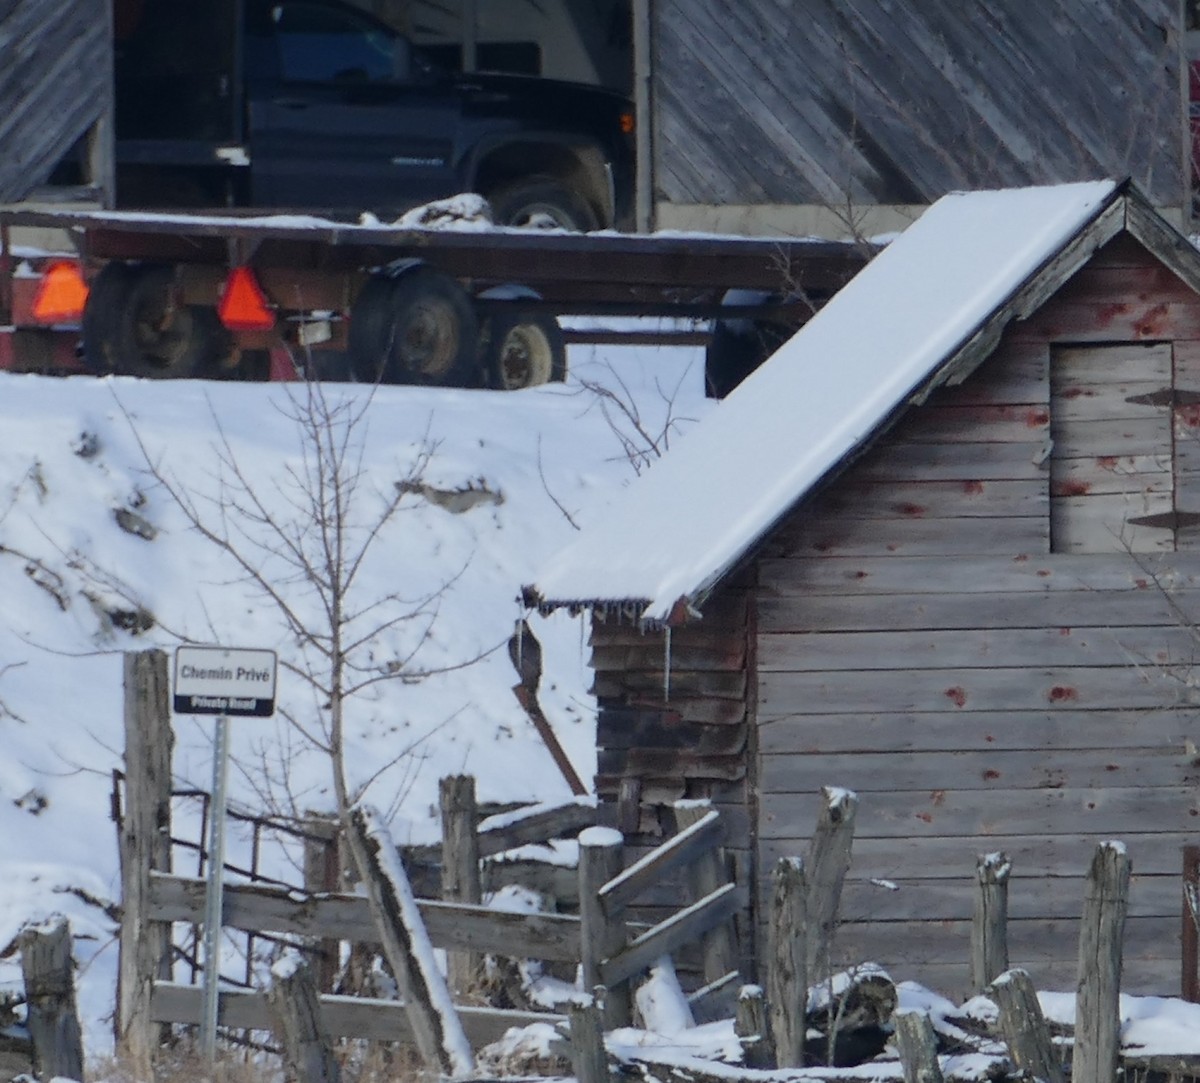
[{"x": 318, "y": 105}]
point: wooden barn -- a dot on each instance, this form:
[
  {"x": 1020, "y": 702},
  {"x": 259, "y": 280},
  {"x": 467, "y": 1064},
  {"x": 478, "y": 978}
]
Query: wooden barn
[
  {"x": 942, "y": 549},
  {"x": 55, "y": 92},
  {"x": 831, "y": 117}
]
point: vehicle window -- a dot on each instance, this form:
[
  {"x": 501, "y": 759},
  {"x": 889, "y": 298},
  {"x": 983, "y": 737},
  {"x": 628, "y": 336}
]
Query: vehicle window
[{"x": 319, "y": 44}]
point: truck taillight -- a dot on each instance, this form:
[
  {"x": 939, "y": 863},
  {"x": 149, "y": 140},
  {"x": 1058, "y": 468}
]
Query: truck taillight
[{"x": 627, "y": 122}]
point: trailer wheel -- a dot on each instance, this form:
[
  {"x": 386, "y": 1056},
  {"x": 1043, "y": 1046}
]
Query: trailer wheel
[
  {"x": 134, "y": 325},
  {"x": 740, "y": 345},
  {"x": 522, "y": 349},
  {"x": 544, "y": 202},
  {"x": 419, "y": 328}
]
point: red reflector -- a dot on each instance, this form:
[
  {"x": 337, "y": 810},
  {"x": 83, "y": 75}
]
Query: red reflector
[
  {"x": 61, "y": 294},
  {"x": 243, "y": 304}
]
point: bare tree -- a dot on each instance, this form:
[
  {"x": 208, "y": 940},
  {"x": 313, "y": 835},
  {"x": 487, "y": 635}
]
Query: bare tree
[{"x": 302, "y": 542}]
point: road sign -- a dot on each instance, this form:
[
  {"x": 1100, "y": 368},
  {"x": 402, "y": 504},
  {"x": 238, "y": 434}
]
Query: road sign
[{"x": 224, "y": 681}]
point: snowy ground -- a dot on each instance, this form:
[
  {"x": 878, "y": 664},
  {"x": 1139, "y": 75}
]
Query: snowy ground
[{"x": 532, "y": 463}]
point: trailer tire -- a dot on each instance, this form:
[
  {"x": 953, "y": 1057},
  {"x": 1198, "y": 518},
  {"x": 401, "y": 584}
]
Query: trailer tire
[
  {"x": 522, "y": 349},
  {"x": 542, "y": 202},
  {"x": 133, "y": 325},
  {"x": 419, "y": 328},
  {"x": 738, "y": 346}
]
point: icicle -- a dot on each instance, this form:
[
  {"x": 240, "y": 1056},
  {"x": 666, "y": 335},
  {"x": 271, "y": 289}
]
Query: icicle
[
  {"x": 520, "y": 629},
  {"x": 667, "y": 665}
]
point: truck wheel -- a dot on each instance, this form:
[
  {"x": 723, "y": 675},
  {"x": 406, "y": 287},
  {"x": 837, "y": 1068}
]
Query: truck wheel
[
  {"x": 522, "y": 349},
  {"x": 542, "y": 202},
  {"x": 133, "y": 325},
  {"x": 739, "y": 345},
  {"x": 419, "y": 328}
]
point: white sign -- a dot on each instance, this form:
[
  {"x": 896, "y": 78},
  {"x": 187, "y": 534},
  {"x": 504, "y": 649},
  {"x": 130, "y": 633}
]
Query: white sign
[{"x": 224, "y": 681}]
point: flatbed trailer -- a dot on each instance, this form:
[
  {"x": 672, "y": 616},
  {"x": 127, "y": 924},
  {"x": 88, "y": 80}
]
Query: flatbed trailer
[{"x": 237, "y": 296}]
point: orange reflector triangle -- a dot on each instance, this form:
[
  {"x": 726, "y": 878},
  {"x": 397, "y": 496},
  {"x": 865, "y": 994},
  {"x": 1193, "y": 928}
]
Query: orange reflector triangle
[
  {"x": 243, "y": 304},
  {"x": 61, "y": 294}
]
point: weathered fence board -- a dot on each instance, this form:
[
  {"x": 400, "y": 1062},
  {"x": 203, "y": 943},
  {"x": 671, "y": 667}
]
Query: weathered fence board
[
  {"x": 362, "y": 1017},
  {"x": 668, "y": 936},
  {"x": 346, "y": 917},
  {"x": 675, "y": 853},
  {"x": 499, "y": 833}
]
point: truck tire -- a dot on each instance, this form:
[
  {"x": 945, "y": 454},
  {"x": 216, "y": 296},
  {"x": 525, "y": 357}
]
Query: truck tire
[
  {"x": 542, "y": 202},
  {"x": 133, "y": 325},
  {"x": 738, "y": 346},
  {"x": 419, "y": 328},
  {"x": 522, "y": 349}
]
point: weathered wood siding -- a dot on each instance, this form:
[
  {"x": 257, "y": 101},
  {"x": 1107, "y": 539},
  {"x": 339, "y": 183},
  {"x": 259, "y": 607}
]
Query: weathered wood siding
[
  {"x": 926, "y": 639},
  {"x": 900, "y": 101},
  {"x": 656, "y": 747},
  {"x": 55, "y": 83}
]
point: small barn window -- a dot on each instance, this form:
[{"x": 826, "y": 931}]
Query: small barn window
[{"x": 1112, "y": 460}]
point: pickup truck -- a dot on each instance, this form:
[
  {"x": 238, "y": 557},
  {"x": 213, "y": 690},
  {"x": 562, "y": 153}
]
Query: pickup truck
[{"x": 318, "y": 105}]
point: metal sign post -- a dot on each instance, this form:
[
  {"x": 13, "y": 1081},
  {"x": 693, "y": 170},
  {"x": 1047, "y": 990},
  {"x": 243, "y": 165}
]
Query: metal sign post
[{"x": 223, "y": 682}]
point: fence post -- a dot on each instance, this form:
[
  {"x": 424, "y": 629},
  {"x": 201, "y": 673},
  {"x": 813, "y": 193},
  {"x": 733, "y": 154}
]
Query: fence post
[
  {"x": 918, "y": 1047},
  {"x": 828, "y": 862},
  {"x": 50, "y": 998},
  {"x": 989, "y": 925},
  {"x": 296, "y": 1011},
  {"x": 1189, "y": 985},
  {"x": 787, "y": 975},
  {"x": 1024, "y": 1027},
  {"x": 460, "y": 868},
  {"x": 322, "y": 873},
  {"x": 750, "y": 1025},
  {"x": 1097, "y": 1011},
  {"x": 706, "y": 875},
  {"x": 589, "y": 1062},
  {"x": 145, "y": 845},
  {"x": 602, "y": 935}
]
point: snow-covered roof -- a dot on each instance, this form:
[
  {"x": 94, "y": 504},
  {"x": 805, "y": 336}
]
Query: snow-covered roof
[{"x": 932, "y": 303}]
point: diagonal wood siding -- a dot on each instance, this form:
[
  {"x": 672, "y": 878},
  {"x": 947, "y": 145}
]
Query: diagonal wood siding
[
  {"x": 55, "y": 83},
  {"x": 900, "y": 101}
]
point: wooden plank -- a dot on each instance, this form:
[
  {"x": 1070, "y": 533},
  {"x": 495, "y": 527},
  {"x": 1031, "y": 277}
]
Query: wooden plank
[
  {"x": 1101, "y": 321},
  {"x": 730, "y": 656},
  {"x": 1142, "y": 278},
  {"x": 1000, "y": 771},
  {"x": 1079, "y": 403},
  {"x": 949, "y": 859},
  {"x": 980, "y": 575},
  {"x": 731, "y": 686},
  {"x": 925, "y": 536},
  {"x": 974, "y": 731},
  {"x": 345, "y": 917},
  {"x": 675, "y": 763},
  {"x": 932, "y": 424},
  {"x": 1147, "y": 435},
  {"x": 684, "y": 927},
  {"x": 683, "y": 849},
  {"x": 810, "y": 652},
  {"x": 1029, "y": 897},
  {"x": 1091, "y": 474},
  {"x": 1110, "y": 367},
  {"x": 360, "y": 1017},
  {"x": 1016, "y": 373},
  {"x": 498, "y": 834},
  {"x": 938, "y": 813},
  {"x": 961, "y": 690},
  {"x": 1082, "y": 608},
  {"x": 933, "y": 499},
  {"x": 1102, "y": 523},
  {"x": 962, "y": 460}
]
